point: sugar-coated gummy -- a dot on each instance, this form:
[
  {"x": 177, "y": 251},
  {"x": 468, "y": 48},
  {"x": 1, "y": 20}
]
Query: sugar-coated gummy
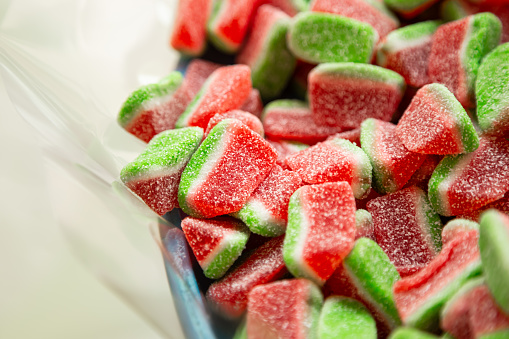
[
  {"x": 492, "y": 92},
  {"x": 287, "y": 119},
  {"x": 501, "y": 205},
  {"x": 466, "y": 182},
  {"x": 266, "y": 53},
  {"x": 246, "y": 118},
  {"x": 213, "y": 183},
  {"x": 411, "y": 333},
  {"x": 393, "y": 165},
  {"x": 155, "y": 174},
  {"x": 406, "y": 228},
  {"x": 266, "y": 211},
  {"x": 323, "y": 37},
  {"x": 216, "y": 243},
  {"x": 456, "y": 227},
  {"x": 286, "y": 148},
  {"x": 494, "y": 247},
  {"x": 334, "y": 160},
  {"x": 225, "y": 89},
  {"x": 320, "y": 230},
  {"x": 436, "y": 123},
  {"x": 345, "y": 318},
  {"x": 473, "y": 313},
  {"x": 153, "y": 108},
  {"x": 229, "y": 295},
  {"x": 406, "y": 51},
  {"x": 364, "y": 224},
  {"x": 344, "y": 94},
  {"x": 284, "y": 309},
  {"x": 189, "y": 34},
  {"x": 372, "y": 12},
  {"x": 457, "y": 50}
]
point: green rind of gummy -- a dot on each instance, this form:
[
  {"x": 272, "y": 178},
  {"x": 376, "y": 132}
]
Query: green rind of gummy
[
  {"x": 405, "y": 5},
  {"x": 494, "y": 247},
  {"x": 315, "y": 303},
  {"x": 427, "y": 317},
  {"x": 166, "y": 150},
  {"x": 196, "y": 163},
  {"x": 363, "y": 217},
  {"x": 451, "y": 10},
  {"x": 374, "y": 276},
  {"x": 485, "y": 35},
  {"x": 444, "y": 169},
  {"x": 241, "y": 331},
  {"x": 411, "y": 32},
  {"x": 225, "y": 259},
  {"x": 182, "y": 121},
  {"x": 433, "y": 222},
  {"x": 144, "y": 94},
  {"x": 383, "y": 180},
  {"x": 345, "y": 318},
  {"x": 492, "y": 88},
  {"x": 361, "y": 71},
  {"x": 276, "y": 64},
  {"x": 410, "y": 333},
  {"x": 342, "y": 46},
  {"x": 364, "y": 168},
  {"x": 468, "y": 134},
  {"x": 267, "y": 228},
  {"x": 503, "y": 334},
  {"x": 213, "y": 37},
  {"x": 283, "y": 103},
  {"x": 469, "y": 285},
  {"x": 460, "y": 223},
  {"x": 300, "y": 5},
  {"x": 293, "y": 234}
]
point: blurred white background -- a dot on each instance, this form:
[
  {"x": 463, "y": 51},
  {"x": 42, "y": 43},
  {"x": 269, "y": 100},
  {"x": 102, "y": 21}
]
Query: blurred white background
[{"x": 45, "y": 289}]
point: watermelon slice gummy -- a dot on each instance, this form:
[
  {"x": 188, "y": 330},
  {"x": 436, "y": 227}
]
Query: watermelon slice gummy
[
  {"x": 320, "y": 230},
  {"x": 406, "y": 51},
  {"x": 345, "y": 94},
  {"x": 155, "y": 174},
  {"x": 246, "y": 118},
  {"x": 406, "y": 228},
  {"x": 266, "y": 211},
  {"x": 473, "y": 313},
  {"x": 229, "y": 295},
  {"x": 464, "y": 183},
  {"x": 393, "y": 165},
  {"x": 189, "y": 34},
  {"x": 494, "y": 247},
  {"x": 492, "y": 92},
  {"x": 457, "y": 226},
  {"x": 225, "y": 89},
  {"x": 212, "y": 184},
  {"x": 364, "y": 225},
  {"x": 334, "y": 160},
  {"x": 322, "y": 37},
  {"x": 286, "y": 148},
  {"x": 457, "y": 50},
  {"x": 266, "y": 44},
  {"x": 284, "y": 309},
  {"x": 372, "y": 12},
  {"x": 292, "y": 120},
  {"x": 368, "y": 275},
  {"x": 345, "y": 318},
  {"x": 436, "y": 123},
  {"x": 153, "y": 108},
  {"x": 216, "y": 243}
]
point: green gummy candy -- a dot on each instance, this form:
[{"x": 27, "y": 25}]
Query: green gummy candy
[
  {"x": 168, "y": 150},
  {"x": 345, "y": 318},
  {"x": 494, "y": 248},
  {"x": 322, "y": 37},
  {"x": 143, "y": 95},
  {"x": 410, "y": 333},
  {"x": 492, "y": 91}
]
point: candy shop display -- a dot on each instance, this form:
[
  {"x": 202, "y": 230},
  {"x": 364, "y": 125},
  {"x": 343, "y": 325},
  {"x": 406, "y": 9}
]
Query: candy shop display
[{"x": 339, "y": 168}]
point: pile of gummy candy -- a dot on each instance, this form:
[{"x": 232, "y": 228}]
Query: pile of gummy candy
[{"x": 363, "y": 144}]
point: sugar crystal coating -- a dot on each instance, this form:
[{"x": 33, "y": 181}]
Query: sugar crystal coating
[
  {"x": 246, "y": 118},
  {"x": 216, "y": 243},
  {"x": 346, "y": 318},
  {"x": 266, "y": 211},
  {"x": 345, "y": 94},
  {"x": 155, "y": 174},
  {"x": 436, "y": 123},
  {"x": 229, "y": 295},
  {"x": 457, "y": 226},
  {"x": 320, "y": 230},
  {"x": 284, "y": 309},
  {"x": 334, "y": 160},
  {"x": 494, "y": 247},
  {"x": 323, "y": 37},
  {"x": 189, "y": 31},
  {"x": 227, "y": 167},
  {"x": 286, "y": 148}
]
